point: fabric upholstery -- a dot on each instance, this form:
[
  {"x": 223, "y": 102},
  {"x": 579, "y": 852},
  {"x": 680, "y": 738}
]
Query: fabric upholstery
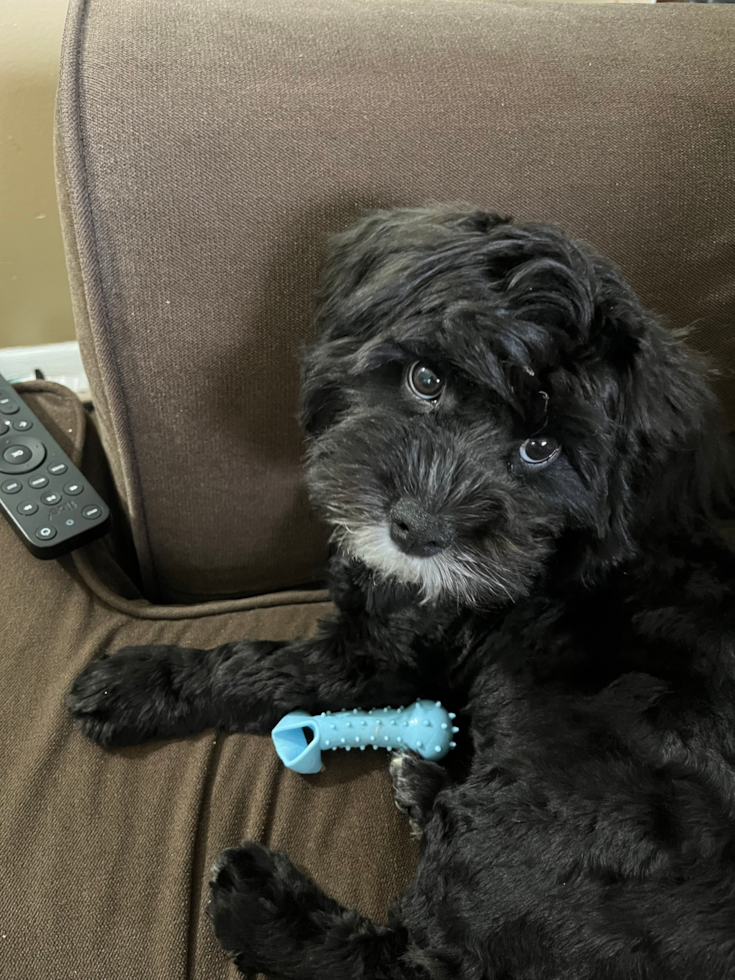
[
  {"x": 104, "y": 856},
  {"x": 205, "y": 150}
]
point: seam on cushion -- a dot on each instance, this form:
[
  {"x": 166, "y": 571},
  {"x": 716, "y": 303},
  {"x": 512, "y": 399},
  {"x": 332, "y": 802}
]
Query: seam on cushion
[
  {"x": 71, "y": 129},
  {"x": 142, "y": 609}
]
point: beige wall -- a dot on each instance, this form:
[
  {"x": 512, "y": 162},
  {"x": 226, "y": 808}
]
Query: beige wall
[{"x": 34, "y": 296}]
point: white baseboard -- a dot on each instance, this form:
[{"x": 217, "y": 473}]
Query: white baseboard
[{"x": 57, "y": 362}]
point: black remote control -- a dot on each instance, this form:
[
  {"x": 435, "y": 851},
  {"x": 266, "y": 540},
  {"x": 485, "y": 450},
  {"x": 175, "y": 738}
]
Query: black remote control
[{"x": 51, "y": 506}]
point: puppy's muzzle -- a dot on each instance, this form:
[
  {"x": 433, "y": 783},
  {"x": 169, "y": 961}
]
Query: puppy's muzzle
[{"x": 416, "y": 532}]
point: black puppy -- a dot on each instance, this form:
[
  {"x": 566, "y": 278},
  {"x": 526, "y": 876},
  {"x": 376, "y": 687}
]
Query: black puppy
[{"x": 521, "y": 466}]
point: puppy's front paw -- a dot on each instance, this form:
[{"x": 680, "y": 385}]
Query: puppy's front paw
[{"x": 119, "y": 699}]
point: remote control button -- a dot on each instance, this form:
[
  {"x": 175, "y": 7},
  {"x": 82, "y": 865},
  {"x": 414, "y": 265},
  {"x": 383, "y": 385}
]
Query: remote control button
[
  {"x": 11, "y": 486},
  {"x": 74, "y": 488},
  {"x": 27, "y": 508},
  {"x": 46, "y": 533},
  {"x": 38, "y": 482},
  {"x": 4, "y": 427},
  {"x": 56, "y": 469},
  {"x": 50, "y": 498},
  {"x": 17, "y": 454},
  {"x": 92, "y": 511},
  {"x": 20, "y": 454},
  {"x": 23, "y": 425},
  {"x": 8, "y": 406}
]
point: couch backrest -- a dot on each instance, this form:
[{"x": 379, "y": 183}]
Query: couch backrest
[{"x": 206, "y": 149}]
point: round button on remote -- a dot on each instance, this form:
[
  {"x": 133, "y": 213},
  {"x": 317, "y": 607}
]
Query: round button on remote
[
  {"x": 20, "y": 454},
  {"x": 92, "y": 512},
  {"x": 38, "y": 482},
  {"x": 56, "y": 469},
  {"x": 22, "y": 425},
  {"x": 50, "y": 498},
  {"x": 46, "y": 533},
  {"x": 17, "y": 455},
  {"x": 11, "y": 486},
  {"x": 27, "y": 508},
  {"x": 74, "y": 488}
]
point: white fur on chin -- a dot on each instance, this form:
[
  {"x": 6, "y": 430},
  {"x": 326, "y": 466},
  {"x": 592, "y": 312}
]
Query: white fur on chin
[{"x": 446, "y": 574}]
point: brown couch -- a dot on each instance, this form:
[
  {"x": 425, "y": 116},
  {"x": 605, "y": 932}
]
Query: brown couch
[{"x": 204, "y": 151}]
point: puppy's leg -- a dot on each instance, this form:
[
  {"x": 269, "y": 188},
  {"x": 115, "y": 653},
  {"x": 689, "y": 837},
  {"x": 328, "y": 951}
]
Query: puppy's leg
[
  {"x": 154, "y": 692},
  {"x": 272, "y": 919},
  {"x": 416, "y": 782}
]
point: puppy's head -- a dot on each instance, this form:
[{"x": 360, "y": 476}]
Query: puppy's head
[{"x": 484, "y": 394}]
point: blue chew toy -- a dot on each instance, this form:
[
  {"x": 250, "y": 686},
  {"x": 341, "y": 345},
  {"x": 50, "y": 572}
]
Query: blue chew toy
[{"x": 424, "y": 726}]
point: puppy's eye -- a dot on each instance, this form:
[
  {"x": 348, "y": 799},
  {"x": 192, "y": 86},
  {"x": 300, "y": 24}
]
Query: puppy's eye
[
  {"x": 539, "y": 450},
  {"x": 423, "y": 381}
]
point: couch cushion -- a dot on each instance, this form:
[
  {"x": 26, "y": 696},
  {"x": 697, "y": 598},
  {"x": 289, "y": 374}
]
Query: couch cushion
[
  {"x": 206, "y": 149},
  {"x": 104, "y": 855}
]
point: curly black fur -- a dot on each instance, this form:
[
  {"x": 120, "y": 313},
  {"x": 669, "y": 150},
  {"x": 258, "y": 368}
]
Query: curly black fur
[{"x": 581, "y": 608}]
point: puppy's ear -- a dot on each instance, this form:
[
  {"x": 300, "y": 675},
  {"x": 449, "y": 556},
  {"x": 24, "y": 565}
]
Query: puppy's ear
[
  {"x": 696, "y": 476},
  {"x": 620, "y": 321},
  {"x": 320, "y": 406},
  {"x": 324, "y": 379},
  {"x": 675, "y": 467}
]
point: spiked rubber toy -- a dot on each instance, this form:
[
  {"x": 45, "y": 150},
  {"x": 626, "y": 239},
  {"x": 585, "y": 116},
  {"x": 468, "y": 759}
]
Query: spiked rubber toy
[{"x": 424, "y": 726}]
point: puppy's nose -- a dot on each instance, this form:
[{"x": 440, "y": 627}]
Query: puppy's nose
[{"x": 416, "y": 532}]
